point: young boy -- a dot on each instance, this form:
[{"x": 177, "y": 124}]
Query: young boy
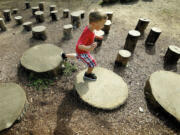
[{"x": 86, "y": 43}]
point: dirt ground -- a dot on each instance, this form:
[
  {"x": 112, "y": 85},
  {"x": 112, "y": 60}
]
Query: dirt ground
[{"x": 58, "y": 110}]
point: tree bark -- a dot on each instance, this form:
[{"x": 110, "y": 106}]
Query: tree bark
[
  {"x": 153, "y": 36},
  {"x": 131, "y": 40}
]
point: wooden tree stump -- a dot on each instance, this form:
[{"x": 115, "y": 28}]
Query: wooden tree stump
[
  {"x": 107, "y": 26},
  {"x": 42, "y": 58},
  {"x": 54, "y": 15},
  {"x": 19, "y": 20},
  {"x": 27, "y": 5},
  {"x": 41, "y": 6},
  {"x": 65, "y": 13},
  {"x": 67, "y": 31},
  {"x": 34, "y": 9},
  {"x": 7, "y": 15},
  {"x": 142, "y": 25},
  {"x": 123, "y": 57},
  {"x": 76, "y": 19},
  {"x": 12, "y": 103},
  {"x": 52, "y": 7},
  {"x": 162, "y": 90},
  {"x": 15, "y": 11},
  {"x": 99, "y": 37},
  {"x": 131, "y": 40},
  {"x": 27, "y": 26},
  {"x": 39, "y": 32},
  {"x": 109, "y": 91},
  {"x": 2, "y": 25},
  {"x": 172, "y": 55},
  {"x": 153, "y": 36},
  {"x": 109, "y": 15},
  {"x": 82, "y": 12},
  {"x": 39, "y": 16}
]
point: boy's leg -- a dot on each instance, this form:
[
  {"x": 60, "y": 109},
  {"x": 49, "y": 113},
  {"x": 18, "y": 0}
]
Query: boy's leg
[
  {"x": 70, "y": 55},
  {"x": 90, "y": 69}
]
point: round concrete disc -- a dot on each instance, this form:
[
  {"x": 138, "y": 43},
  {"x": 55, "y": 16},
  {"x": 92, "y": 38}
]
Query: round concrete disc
[
  {"x": 42, "y": 58},
  {"x": 109, "y": 91},
  {"x": 165, "y": 87},
  {"x": 12, "y": 101}
]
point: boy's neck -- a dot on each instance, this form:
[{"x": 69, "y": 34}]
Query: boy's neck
[{"x": 91, "y": 28}]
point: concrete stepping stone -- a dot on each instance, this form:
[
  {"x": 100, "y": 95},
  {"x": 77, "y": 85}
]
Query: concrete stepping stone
[{"x": 109, "y": 91}]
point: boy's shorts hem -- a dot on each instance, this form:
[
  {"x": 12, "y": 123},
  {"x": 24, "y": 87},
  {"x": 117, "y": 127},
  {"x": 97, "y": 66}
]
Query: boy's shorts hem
[{"x": 87, "y": 59}]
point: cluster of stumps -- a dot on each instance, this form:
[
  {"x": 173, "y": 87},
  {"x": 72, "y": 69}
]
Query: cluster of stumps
[{"x": 39, "y": 32}]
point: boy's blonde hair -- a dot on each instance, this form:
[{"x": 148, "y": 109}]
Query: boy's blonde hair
[{"x": 96, "y": 16}]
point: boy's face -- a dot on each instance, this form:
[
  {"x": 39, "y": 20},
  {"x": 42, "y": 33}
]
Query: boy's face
[{"x": 99, "y": 25}]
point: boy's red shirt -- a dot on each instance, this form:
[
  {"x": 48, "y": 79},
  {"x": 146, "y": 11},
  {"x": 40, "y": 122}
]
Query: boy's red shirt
[{"x": 86, "y": 38}]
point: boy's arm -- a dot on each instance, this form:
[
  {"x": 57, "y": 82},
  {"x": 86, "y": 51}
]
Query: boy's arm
[{"x": 87, "y": 48}]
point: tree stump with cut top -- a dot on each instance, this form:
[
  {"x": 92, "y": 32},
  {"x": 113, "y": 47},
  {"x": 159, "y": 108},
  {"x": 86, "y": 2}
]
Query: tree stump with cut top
[
  {"x": 122, "y": 57},
  {"x": 142, "y": 25},
  {"x": 39, "y": 16},
  {"x": 52, "y": 7},
  {"x": 19, "y": 20},
  {"x": 172, "y": 55},
  {"x": 27, "y": 5},
  {"x": 107, "y": 26},
  {"x": 39, "y": 32},
  {"x": 34, "y": 9},
  {"x": 99, "y": 37},
  {"x": 65, "y": 13},
  {"x": 109, "y": 15},
  {"x": 7, "y": 15},
  {"x": 67, "y": 31},
  {"x": 41, "y": 6},
  {"x": 82, "y": 13},
  {"x": 27, "y": 26},
  {"x": 76, "y": 19},
  {"x": 54, "y": 15},
  {"x": 153, "y": 36},
  {"x": 15, "y": 11},
  {"x": 2, "y": 25},
  {"x": 131, "y": 40}
]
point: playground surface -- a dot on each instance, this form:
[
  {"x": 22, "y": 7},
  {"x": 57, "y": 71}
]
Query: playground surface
[{"x": 58, "y": 110}]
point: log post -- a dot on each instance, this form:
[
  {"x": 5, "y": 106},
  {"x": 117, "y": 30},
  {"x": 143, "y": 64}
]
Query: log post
[
  {"x": 15, "y": 10},
  {"x": 27, "y": 26},
  {"x": 65, "y": 13},
  {"x": 19, "y": 20},
  {"x": 153, "y": 36},
  {"x": 107, "y": 26},
  {"x": 54, "y": 15},
  {"x": 7, "y": 15},
  {"x": 82, "y": 12},
  {"x": 172, "y": 55},
  {"x": 39, "y": 16},
  {"x": 109, "y": 15},
  {"x": 52, "y": 7},
  {"x": 99, "y": 37},
  {"x": 27, "y": 5},
  {"x": 131, "y": 40},
  {"x": 39, "y": 32},
  {"x": 142, "y": 25},
  {"x": 34, "y": 9},
  {"x": 75, "y": 19},
  {"x": 2, "y": 25},
  {"x": 122, "y": 57},
  {"x": 67, "y": 31},
  {"x": 41, "y": 6}
]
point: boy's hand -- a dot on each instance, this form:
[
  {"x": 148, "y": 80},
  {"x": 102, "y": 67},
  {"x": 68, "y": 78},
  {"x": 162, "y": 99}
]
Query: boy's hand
[{"x": 94, "y": 45}]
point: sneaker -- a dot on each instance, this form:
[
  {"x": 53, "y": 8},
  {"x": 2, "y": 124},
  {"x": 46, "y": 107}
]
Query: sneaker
[
  {"x": 90, "y": 76},
  {"x": 63, "y": 55}
]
